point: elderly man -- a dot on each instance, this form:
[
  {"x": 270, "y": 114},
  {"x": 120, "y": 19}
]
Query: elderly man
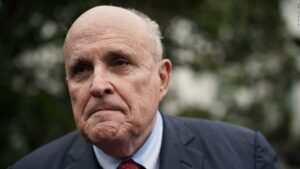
[{"x": 116, "y": 79}]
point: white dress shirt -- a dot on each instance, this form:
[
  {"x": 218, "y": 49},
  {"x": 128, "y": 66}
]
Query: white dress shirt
[{"x": 147, "y": 155}]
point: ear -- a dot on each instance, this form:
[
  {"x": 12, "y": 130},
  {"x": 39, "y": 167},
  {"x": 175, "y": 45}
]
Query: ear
[{"x": 165, "y": 68}]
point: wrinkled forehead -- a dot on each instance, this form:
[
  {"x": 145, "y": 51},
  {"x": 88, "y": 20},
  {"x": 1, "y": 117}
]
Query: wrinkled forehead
[{"x": 105, "y": 20}]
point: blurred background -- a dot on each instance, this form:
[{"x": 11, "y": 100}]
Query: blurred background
[{"x": 234, "y": 60}]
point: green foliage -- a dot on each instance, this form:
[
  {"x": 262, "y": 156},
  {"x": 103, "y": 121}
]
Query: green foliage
[{"x": 241, "y": 34}]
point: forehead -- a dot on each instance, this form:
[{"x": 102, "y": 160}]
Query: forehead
[{"x": 107, "y": 22}]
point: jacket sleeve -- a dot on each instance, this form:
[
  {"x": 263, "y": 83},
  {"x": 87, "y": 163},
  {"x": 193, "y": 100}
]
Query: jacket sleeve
[{"x": 265, "y": 157}]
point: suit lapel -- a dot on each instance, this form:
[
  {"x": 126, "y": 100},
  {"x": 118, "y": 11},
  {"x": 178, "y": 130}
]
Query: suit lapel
[
  {"x": 177, "y": 148},
  {"x": 81, "y": 155}
]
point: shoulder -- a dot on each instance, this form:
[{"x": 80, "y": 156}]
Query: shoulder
[
  {"x": 229, "y": 142},
  {"x": 209, "y": 128},
  {"x": 216, "y": 134},
  {"x": 55, "y": 150}
]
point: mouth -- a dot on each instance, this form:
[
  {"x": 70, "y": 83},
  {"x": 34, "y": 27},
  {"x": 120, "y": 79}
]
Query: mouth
[{"x": 103, "y": 112}]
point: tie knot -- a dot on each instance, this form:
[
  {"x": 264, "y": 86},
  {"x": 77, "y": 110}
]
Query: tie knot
[{"x": 129, "y": 164}]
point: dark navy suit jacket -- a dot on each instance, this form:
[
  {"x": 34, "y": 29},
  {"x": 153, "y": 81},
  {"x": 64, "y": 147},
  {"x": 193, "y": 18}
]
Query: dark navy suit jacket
[{"x": 187, "y": 144}]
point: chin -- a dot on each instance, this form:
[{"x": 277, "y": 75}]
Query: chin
[
  {"x": 103, "y": 134},
  {"x": 113, "y": 144}
]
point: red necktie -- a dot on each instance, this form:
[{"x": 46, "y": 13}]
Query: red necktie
[{"x": 129, "y": 164}]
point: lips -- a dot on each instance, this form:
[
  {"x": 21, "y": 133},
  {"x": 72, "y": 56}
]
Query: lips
[{"x": 103, "y": 107}]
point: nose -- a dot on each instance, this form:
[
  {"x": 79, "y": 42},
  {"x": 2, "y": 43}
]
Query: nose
[{"x": 101, "y": 86}]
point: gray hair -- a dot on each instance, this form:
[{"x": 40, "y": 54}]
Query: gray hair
[{"x": 154, "y": 31}]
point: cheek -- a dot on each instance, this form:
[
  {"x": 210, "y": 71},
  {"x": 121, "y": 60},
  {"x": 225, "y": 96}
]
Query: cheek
[
  {"x": 148, "y": 89},
  {"x": 79, "y": 97},
  {"x": 143, "y": 96},
  {"x": 146, "y": 104}
]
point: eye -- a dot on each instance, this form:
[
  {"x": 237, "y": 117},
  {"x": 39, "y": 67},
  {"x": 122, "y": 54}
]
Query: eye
[
  {"x": 80, "y": 67},
  {"x": 119, "y": 60}
]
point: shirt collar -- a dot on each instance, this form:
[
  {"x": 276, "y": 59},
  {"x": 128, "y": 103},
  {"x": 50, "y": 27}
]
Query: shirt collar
[{"x": 147, "y": 155}]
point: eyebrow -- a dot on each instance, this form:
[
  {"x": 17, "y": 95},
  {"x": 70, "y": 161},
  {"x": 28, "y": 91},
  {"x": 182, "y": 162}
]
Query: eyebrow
[
  {"x": 116, "y": 53},
  {"x": 79, "y": 59}
]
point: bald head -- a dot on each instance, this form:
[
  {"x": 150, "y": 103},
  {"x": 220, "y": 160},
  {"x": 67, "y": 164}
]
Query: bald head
[{"x": 106, "y": 19}]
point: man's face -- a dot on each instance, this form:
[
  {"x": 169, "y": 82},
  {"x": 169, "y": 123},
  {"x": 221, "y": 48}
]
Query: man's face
[{"x": 115, "y": 84}]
